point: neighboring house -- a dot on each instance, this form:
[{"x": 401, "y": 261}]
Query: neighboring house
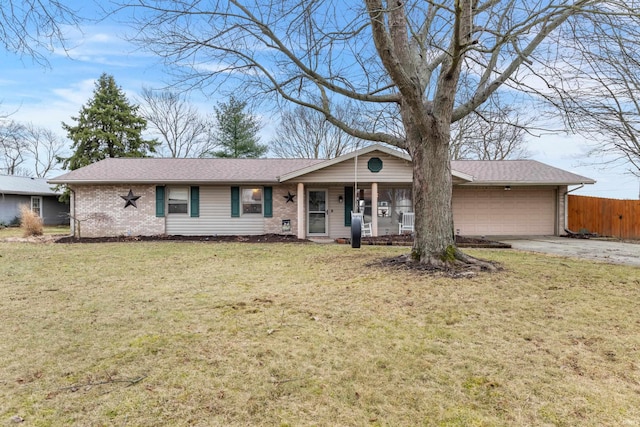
[
  {"x": 36, "y": 193},
  {"x": 307, "y": 198}
]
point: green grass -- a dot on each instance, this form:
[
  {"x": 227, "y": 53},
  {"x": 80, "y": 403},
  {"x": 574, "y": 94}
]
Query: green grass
[{"x": 191, "y": 333}]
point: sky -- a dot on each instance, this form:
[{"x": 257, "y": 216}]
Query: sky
[{"x": 50, "y": 95}]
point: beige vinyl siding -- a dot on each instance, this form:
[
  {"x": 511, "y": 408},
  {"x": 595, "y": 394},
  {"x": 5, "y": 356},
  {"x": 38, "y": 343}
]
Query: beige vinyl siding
[
  {"x": 215, "y": 217},
  {"x": 493, "y": 211},
  {"x": 393, "y": 170},
  {"x": 336, "y": 214}
]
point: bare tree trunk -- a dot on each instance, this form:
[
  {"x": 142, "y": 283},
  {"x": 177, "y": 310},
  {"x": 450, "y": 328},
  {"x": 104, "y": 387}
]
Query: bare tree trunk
[{"x": 434, "y": 238}]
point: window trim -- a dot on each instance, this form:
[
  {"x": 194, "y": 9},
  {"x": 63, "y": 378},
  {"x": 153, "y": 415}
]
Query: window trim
[
  {"x": 41, "y": 205},
  {"x": 242, "y": 203},
  {"x": 186, "y": 201}
]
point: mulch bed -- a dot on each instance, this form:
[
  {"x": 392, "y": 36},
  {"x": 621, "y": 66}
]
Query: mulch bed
[
  {"x": 400, "y": 240},
  {"x": 263, "y": 238},
  {"x": 407, "y": 240}
]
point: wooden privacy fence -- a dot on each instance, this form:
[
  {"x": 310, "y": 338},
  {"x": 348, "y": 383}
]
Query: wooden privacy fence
[{"x": 606, "y": 217}]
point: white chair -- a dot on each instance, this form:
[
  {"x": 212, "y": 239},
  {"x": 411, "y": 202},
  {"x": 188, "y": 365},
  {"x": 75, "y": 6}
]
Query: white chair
[
  {"x": 407, "y": 223},
  {"x": 366, "y": 227}
]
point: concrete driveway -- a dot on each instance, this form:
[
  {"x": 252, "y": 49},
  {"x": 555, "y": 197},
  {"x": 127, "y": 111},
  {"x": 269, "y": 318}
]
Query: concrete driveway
[{"x": 601, "y": 250}]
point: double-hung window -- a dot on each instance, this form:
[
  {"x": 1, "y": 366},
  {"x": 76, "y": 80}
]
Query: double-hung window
[
  {"x": 252, "y": 200},
  {"x": 36, "y": 205},
  {"x": 178, "y": 200}
]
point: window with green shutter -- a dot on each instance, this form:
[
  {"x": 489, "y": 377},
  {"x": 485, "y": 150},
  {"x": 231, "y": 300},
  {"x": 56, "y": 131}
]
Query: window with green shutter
[
  {"x": 159, "y": 201},
  {"x": 235, "y": 202},
  {"x": 348, "y": 205},
  {"x": 268, "y": 202},
  {"x": 195, "y": 202}
]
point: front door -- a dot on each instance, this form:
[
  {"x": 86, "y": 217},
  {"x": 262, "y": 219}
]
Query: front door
[{"x": 317, "y": 212}]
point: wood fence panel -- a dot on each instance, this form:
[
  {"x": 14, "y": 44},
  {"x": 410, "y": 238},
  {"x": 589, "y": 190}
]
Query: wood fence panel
[{"x": 606, "y": 217}]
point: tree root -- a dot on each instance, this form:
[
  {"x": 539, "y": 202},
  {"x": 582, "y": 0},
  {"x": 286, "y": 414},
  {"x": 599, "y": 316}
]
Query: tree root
[
  {"x": 467, "y": 260},
  {"x": 462, "y": 265}
]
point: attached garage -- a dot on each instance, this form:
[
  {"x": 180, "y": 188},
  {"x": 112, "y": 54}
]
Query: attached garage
[{"x": 495, "y": 211}]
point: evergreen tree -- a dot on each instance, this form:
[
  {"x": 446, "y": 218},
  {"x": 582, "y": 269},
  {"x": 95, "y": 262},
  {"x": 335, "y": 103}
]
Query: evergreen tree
[
  {"x": 108, "y": 126},
  {"x": 237, "y": 132}
]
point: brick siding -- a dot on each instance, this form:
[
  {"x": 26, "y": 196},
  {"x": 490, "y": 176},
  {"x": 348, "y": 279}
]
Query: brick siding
[
  {"x": 282, "y": 210},
  {"x": 99, "y": 211}
]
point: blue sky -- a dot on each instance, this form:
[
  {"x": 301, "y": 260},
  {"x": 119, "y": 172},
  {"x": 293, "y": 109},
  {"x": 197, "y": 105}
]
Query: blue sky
[{"x": 50, "y": 95}]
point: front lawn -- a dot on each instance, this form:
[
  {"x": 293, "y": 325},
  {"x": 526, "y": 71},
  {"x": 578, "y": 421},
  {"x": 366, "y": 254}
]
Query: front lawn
[
  {"x": 233, "y": 334},
  {"x": 50, "y": 230}
]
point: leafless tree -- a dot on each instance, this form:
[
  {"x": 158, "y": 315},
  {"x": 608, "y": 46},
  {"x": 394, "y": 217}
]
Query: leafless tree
[
  {"x": 493, "y": 132},
  {"x": 183, "y": 131},
  {"x": 384, "y": 56},
  {"x": 28, "y": 150},
  {"x": 601, "y": 94},
  {"x": 12, "y": 148},
  {"x": 44, "y": 147},
  {"x": 305, "y": 133},
  {"x": 29, "y": 27}
]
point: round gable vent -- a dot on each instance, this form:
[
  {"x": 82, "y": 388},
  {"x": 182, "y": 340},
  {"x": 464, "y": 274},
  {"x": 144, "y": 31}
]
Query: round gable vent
[{"x": 374, "y": 164}]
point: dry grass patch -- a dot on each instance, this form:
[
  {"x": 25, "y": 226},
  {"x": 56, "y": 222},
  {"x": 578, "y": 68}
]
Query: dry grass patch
[
  {"x": 47, "y": 231},
  {"x": 30, "y": 223},
  {"x": 190, "y": 333}
]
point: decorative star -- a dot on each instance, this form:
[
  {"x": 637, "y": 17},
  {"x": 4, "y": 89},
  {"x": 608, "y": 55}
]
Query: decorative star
[
  {"x": 289, "y": 197},
  {"x": 130, "y": 199}
]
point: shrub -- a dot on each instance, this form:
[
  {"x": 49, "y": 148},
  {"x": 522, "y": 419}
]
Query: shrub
[{"x": 30, "y": 223}]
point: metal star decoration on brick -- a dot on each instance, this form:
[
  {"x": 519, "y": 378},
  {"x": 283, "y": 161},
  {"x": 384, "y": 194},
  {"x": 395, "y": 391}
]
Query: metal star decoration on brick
[
  {"x": 130, "y": 199},
  {"x": 289, "y": 197}
]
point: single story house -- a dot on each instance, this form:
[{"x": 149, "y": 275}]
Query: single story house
[
  {"x": 36, "y": 193},
  {"x": 306, "y": 197}
]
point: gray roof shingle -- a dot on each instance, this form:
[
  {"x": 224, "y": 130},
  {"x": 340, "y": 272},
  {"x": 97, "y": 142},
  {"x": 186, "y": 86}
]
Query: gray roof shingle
[
  {"x": 24, "y": 185},
  {"x": 514, "y": 172},
  {"x": 171, "y": 170},
  {"x": 203, "y": 171}
]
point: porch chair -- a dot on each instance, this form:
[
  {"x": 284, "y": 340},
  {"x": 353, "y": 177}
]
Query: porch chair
[
  {"x": 366, "y": 227},
  {"x": 407, "y": 223}
]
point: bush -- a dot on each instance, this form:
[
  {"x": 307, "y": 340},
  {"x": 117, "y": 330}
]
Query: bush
[{"x": 30, "y": 223}]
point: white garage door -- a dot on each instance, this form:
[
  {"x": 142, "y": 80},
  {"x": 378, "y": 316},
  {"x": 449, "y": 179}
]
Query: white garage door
[{"x": 499, "y": 212}]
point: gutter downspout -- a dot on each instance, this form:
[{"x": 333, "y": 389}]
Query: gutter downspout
[{"x": 566, "y": 205}]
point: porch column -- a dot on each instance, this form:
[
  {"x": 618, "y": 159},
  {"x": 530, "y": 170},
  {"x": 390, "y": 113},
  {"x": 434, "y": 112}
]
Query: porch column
[
  {"x": 374, "y": 208},
  {"x": 301, "y": 217}
]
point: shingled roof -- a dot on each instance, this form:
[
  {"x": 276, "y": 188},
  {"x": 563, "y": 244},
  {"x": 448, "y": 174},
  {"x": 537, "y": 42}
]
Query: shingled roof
[
  {"x": 270, "y": 171},
  {"x": 171, "y": 170},
  {"x": 516, "y": 172},
  {"x": 24, "y": 185}
]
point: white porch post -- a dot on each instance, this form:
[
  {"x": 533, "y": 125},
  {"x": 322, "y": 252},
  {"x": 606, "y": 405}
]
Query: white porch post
[
  {"x": 374, "y": 208},
  {"x": 301, "y": 217}
]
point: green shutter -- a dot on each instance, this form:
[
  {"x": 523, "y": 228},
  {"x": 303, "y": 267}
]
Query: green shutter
[
  {"x": 235, "y": 202},
  {"x": 159, "y": 201},
  {"x": 195, "y": 202},
  {"x": 348, "y": 205},
  {"x": 268, "y": 202}
]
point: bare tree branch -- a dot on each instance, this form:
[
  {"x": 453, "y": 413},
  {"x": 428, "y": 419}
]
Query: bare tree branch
[
  {"x": 183, "y": 131},
  {"x": 12, "y": 148},
  {"x": 44, "y": 147},
  {"x": 305, "y": 133},
  {"x": 29, "y": 27}
]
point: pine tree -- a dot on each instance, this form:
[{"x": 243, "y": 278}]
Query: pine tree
[
  {"x": 108, "y": 126},
  {"x": 236, "y": 132}
]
